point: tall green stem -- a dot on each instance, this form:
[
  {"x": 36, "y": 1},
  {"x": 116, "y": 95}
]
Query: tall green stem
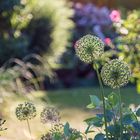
[
  {"x": 103, "y": 98},
  {"x": 120, "y": 108},
  {"x": 29, "y": 128}
]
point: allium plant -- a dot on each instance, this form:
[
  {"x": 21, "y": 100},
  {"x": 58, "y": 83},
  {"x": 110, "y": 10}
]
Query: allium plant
[
  {"x": 121, "y": 123},
  {"x": 26, "y": 111},
  {"x": 116, "y": 74},
  {"x": 58, "y": 131},
  {"x": 89, "y": 49},
  {"x": 50, "y": 114}
]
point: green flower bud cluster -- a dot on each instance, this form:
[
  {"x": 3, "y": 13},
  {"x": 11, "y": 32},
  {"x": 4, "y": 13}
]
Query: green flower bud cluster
[
  {"x": 25, "y": 111},
  {"x": 47, "y": 136},
  {"x": 56, "y": 131},
  {"x": 50, "y": 114},
  {"x": 115, "y": 73},
  {"x": 89, "y": 48}
]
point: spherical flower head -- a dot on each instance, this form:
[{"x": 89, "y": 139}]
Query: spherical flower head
[
  {"x": 47, "y": 136},
  {"x": 89, "y": 48},
  {"x": 50, "y": 114},
  {"x": 25, "y": 111},
  {"x": 115, "y": 73},
  {"x": 56, "y": 131}
]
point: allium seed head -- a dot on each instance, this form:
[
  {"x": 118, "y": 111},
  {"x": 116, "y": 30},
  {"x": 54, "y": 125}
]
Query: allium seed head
[
  {"x": 116, "y": 73},
  {"x": 47, "y": 136},
  {"x": 25, "y": 111},
  {"x": 50, "y": 114},
  {"x": 89, "y": 48},
  {"x": 56, "y": 130}
]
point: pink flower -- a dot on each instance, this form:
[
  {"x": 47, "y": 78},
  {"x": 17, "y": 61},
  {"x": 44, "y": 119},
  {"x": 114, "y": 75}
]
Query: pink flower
[
  {"x": 115, "y": 16},
  {"x": 107, "y": 41}
]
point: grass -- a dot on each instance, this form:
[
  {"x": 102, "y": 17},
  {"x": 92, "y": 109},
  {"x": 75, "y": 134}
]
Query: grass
[
  {"x": 79, "y": 98},
  {"x": 70, "y": 102}
]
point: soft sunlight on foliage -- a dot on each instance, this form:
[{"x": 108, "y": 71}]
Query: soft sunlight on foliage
[
  {"x": 129, "y": 43},
  {"x": 65, "y": 68}
]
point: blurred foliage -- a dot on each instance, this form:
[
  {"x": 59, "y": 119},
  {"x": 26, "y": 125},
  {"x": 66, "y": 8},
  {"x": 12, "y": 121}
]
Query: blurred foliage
[
  {"x": 14, "y": 17},
  {"x": 22, "y": 76},
  {"x": 34, "y": 26},
  {"x": 51, "y": 28},
  {"x": 129, "y": 43}
]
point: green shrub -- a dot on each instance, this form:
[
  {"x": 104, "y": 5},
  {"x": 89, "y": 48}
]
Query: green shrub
[
  {"x": 129, "y": 43},
  {"x": 51, "y": 28},
  {"x": 43, "y": 27},
  {"x": 14, "y": 17}
]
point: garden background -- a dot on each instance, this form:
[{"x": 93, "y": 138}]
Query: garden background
[{"x": 38, "y": 61}]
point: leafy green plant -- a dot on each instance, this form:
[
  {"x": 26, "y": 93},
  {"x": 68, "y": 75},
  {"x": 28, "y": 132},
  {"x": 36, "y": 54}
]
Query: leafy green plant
[
  {"x": 119, "y": 121},
  {"x": 129, "y": 43},
  {"x": 14, "y": 17},
  {"x": 48, "y": 27},
  {"x": 34, "y": 26},
  {"x": 89, "y": 49},
  {"x": 62, "y": 132}
]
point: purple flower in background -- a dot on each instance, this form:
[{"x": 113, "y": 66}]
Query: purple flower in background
[
  {"x": 91, "y": 19},
  {"x": 115, "y": 16}
]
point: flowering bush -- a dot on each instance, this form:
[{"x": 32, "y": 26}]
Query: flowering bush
[
  {"x": 129, "y": 44},
  {"x": 96, "y": 20}
]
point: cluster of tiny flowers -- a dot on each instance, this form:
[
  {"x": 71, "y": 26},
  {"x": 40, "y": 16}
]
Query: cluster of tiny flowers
[
  {"x": 75, "y": 134},
  {"x": 115, "y": 73},
  {"x": 25, "y": 111},
  {"x": 56, "y": 130},
  {"x": 47, "y": 136},
  {"x": 89, "y": 48},
  {"x": 50, "y": 114},
  {"x": 2, "y": 122}
]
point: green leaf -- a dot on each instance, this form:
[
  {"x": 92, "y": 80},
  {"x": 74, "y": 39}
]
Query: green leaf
[
  {"x": 66, "y": 129},
  {"x": 99, "y": 136},
  {"x": 114, "y": 129},
  {"x": 109, "y": 115},
  {"x": 113, "y": 99},
  {"x": 95, "y": 102},
  {"x": 138, "y": 86},
  {"x": 96, "y": 121},
  {"x": 138, "y": 112},
  {"x": 88, "y": 130},
  {"x": 128, "y": 119}
]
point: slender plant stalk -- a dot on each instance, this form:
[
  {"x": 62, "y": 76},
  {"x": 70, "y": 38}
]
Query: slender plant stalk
[
  {"x": 104, "y": 104},
  {"x": 121, "y": 127},
  {"x": 29, "y": 128}
]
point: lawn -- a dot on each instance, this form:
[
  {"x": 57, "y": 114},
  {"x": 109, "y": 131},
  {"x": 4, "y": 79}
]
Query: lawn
[
  {"x": 79, "y": 97},
  {"x": 70, "y": 102}
]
